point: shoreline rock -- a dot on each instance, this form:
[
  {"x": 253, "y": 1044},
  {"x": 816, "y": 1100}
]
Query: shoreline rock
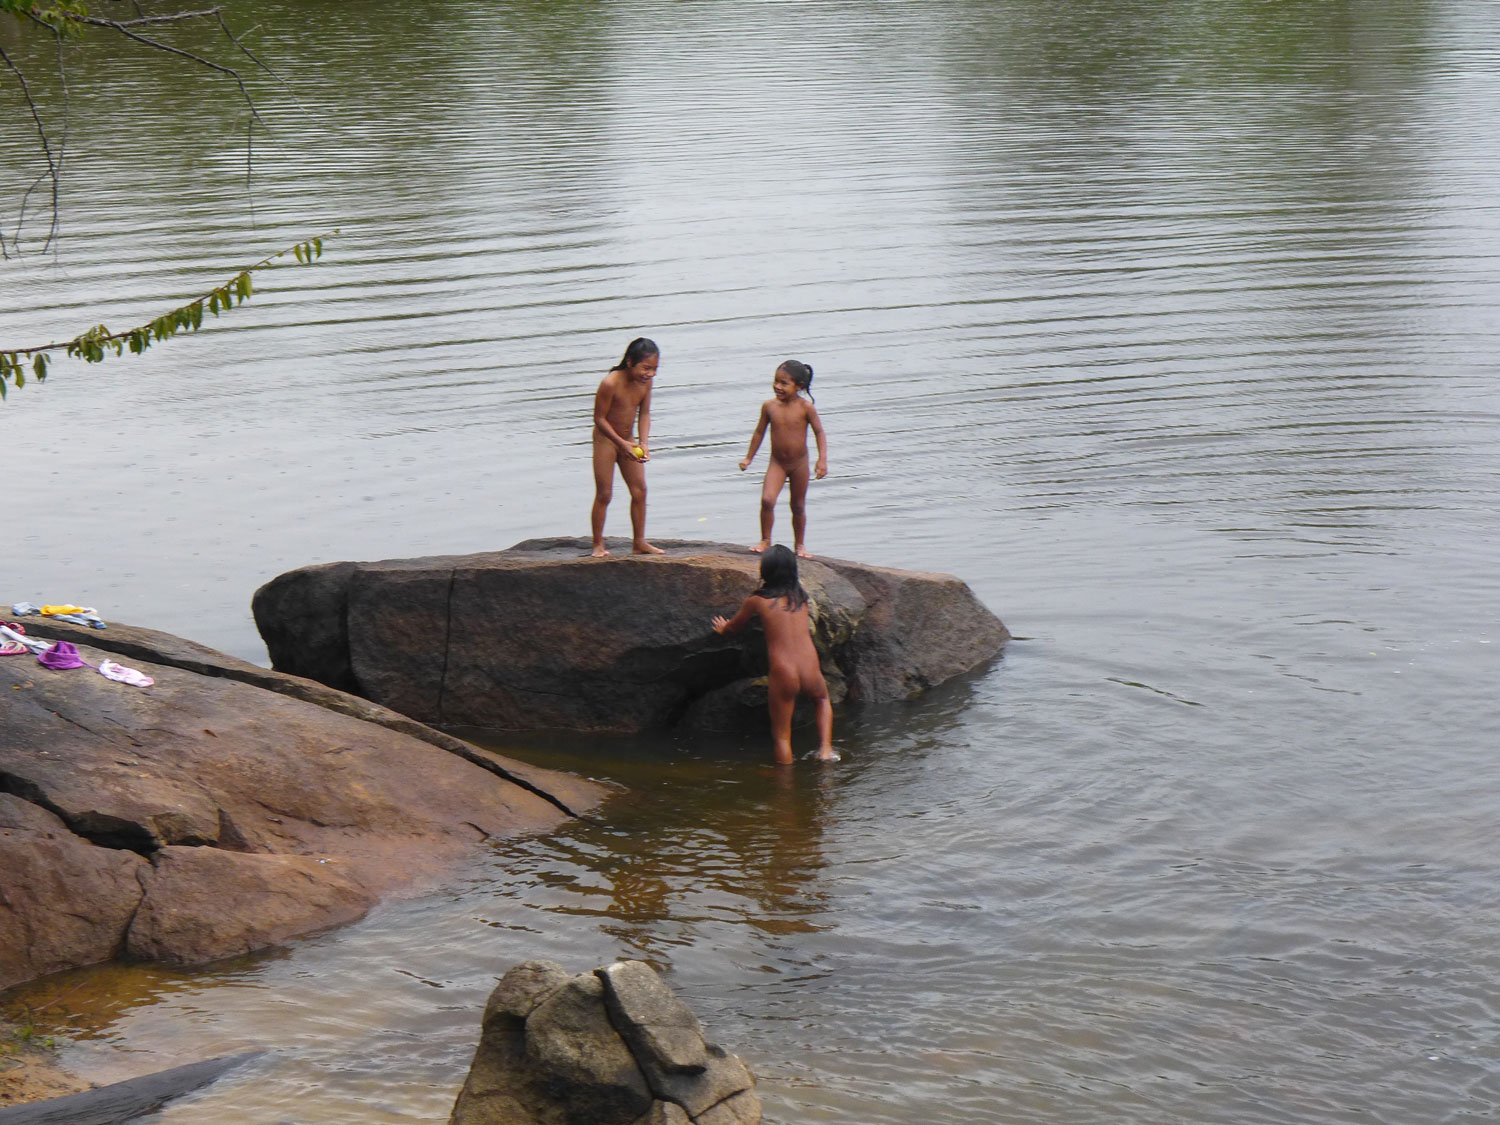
[
  {"x": 123, "y": 1102},
  {"x": 222, "y": 810},
  {"x": 611, "y": 1047},
  {"x": 541, "y": 636}
]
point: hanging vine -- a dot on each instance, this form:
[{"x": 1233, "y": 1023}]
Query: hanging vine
[{"x": 68, "y": 21}]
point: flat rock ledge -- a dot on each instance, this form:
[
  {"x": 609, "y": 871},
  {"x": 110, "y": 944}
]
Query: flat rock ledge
[
  {"x": 543, "y": 637},
  {"x": 611, "y": 1047},
  {"x": 224, "y": 809}
]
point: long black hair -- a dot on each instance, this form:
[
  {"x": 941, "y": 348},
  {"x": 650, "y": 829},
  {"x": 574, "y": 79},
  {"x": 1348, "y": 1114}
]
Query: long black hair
[
  {"x": 638, "y": 349},
  {"x": 778, "y": 577},
  {"x": 800, "y": 374}
]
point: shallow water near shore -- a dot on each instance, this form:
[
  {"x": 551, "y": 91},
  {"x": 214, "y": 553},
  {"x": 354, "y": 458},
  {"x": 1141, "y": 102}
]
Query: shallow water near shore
[{"x": 1169, "y": 328}]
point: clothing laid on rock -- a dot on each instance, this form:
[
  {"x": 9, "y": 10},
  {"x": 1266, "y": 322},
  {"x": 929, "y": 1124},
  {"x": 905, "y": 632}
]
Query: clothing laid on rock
[
  {"x": 16, "y": 641},
  {"x": 9, "y": 647},
  {"x": 125, "y": 675},
  {"x": 73, "y": 614},
  {"x": 77, "y": 614},
  {"x": 62, "y": 656}
]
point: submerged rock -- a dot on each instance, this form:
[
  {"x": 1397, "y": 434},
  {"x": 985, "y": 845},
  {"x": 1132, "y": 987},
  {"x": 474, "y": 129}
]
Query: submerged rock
[
  {"x": 123, "y": 1102},
  {"x": 541, "y": 636},
  {"x": 611, "y": 1047},
  {"x": 218, "y": 811}
]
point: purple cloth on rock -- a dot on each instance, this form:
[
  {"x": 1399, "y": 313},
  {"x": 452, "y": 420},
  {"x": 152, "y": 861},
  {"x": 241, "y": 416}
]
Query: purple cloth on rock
[{"x": 62, "y": 655}]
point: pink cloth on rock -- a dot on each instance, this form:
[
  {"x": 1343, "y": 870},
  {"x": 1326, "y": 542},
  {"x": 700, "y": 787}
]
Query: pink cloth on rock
[{"x": 124, "y": 675}]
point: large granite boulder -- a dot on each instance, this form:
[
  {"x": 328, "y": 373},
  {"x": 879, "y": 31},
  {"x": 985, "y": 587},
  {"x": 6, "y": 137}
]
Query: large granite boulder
[
  {"x": 611, "y": 1047},
  {"x": 208, "y": 815},
  {"x": 542, "y": 636}
]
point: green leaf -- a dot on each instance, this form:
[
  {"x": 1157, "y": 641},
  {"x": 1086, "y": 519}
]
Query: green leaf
[{"x": 39, "y": 365}]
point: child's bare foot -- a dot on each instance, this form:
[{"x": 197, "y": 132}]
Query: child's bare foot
[
  {"x": 641, "y": 547},
  {"x": 804, "y": 553},
  {"x": 826, "y": 754},
  {"x": 761, "y": 546},
  {"x": 600, "y": 550}
]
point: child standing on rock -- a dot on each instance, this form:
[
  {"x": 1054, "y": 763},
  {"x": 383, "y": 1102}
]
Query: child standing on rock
[
  {"x": 624, "y": 396},
  {"x": 789, "y": 415},
  {"x": 781, "y": 605}
]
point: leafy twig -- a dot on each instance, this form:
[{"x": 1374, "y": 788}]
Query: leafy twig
[{"x": 95, "y": 345}]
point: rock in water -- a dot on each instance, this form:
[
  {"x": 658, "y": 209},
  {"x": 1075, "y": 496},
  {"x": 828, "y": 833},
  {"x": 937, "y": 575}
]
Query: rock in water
[
  {"x": 611, "y": 1047},
  {"x": 124, "y": 1102},
  {"x": 224, "y": 809},
  {"x": 541, "y": 636}
]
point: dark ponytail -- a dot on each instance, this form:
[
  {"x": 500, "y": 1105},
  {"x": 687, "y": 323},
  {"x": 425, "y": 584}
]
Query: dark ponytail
[
  {"x": 638, "y": 349},
  {"x": 801, "y": 375},
  {"x": 778, "y": 577}
]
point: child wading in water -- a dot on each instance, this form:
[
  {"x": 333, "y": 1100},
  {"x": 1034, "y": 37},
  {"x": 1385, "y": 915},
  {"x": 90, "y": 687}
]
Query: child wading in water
[
  {"x": 789, "y": 415},
  {"x": 781, "y": 605},
  {"x": 624, "y": 395}
]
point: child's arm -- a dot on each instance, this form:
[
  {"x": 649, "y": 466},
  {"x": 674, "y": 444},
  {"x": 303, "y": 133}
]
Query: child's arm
[
  {"x": 741, "y": 619},
  {"x": 643, "y": 426},
  {"x": 820, "y": 470},
  {"x": 760, "y": 432},
  {"x": 604, "y": 398}
]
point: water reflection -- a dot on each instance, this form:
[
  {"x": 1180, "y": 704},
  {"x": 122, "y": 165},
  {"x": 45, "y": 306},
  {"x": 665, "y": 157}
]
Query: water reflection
[
  {"x": 1165, "y": 325},
  {"x": 700, "y": 842}
]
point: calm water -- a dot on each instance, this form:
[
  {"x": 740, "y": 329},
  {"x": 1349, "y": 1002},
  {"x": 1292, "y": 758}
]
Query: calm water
[{"x": 1171, "y": 327}]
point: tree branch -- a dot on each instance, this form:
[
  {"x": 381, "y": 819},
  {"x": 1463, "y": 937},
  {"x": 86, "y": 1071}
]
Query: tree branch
[
  {"x": 98, "y": 342},
  {"x": 66, "y": 19},
  {"x": 124, "y": 29},
  {"x": 174, "y": 17},
  {"x": 52, "y": 165}
]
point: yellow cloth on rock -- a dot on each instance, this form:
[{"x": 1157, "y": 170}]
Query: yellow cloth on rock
[{"x": 54, "y": 610}]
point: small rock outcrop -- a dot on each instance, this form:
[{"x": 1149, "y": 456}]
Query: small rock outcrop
[
  {"x": 541, "y": 636},
  {"x": 225, "y": 808},
  {"x": 611, "y": 1047}
]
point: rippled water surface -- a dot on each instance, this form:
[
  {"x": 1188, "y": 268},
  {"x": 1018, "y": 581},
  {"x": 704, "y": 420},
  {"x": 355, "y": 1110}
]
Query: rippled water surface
[{"x": 1169, "y": 326}]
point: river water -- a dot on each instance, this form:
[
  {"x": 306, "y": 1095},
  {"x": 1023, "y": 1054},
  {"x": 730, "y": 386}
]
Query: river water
[{"x": 1171, "y": 327}]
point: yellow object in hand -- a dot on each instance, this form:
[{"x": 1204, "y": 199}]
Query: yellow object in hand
[{"x": 640, "y": 451}]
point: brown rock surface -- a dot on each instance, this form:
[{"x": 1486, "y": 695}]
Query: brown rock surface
[
  {"x": 63, "y": 901},
  {"x": 205, "y": 903},
  {"x": 205, "y": 816},
  {"x": 541, "y": 636}
]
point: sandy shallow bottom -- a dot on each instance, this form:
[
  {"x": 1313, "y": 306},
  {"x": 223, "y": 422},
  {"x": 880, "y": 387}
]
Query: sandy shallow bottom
[{"x": 30, "y": 1073}]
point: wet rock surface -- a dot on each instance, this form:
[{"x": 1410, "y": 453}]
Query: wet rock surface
[
  {"x": 207, "y": 816},
  {"x": 611, "y": 1047},
  {"x": 124, "y": 1102},
  {"x": 541, "y": 636}
]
